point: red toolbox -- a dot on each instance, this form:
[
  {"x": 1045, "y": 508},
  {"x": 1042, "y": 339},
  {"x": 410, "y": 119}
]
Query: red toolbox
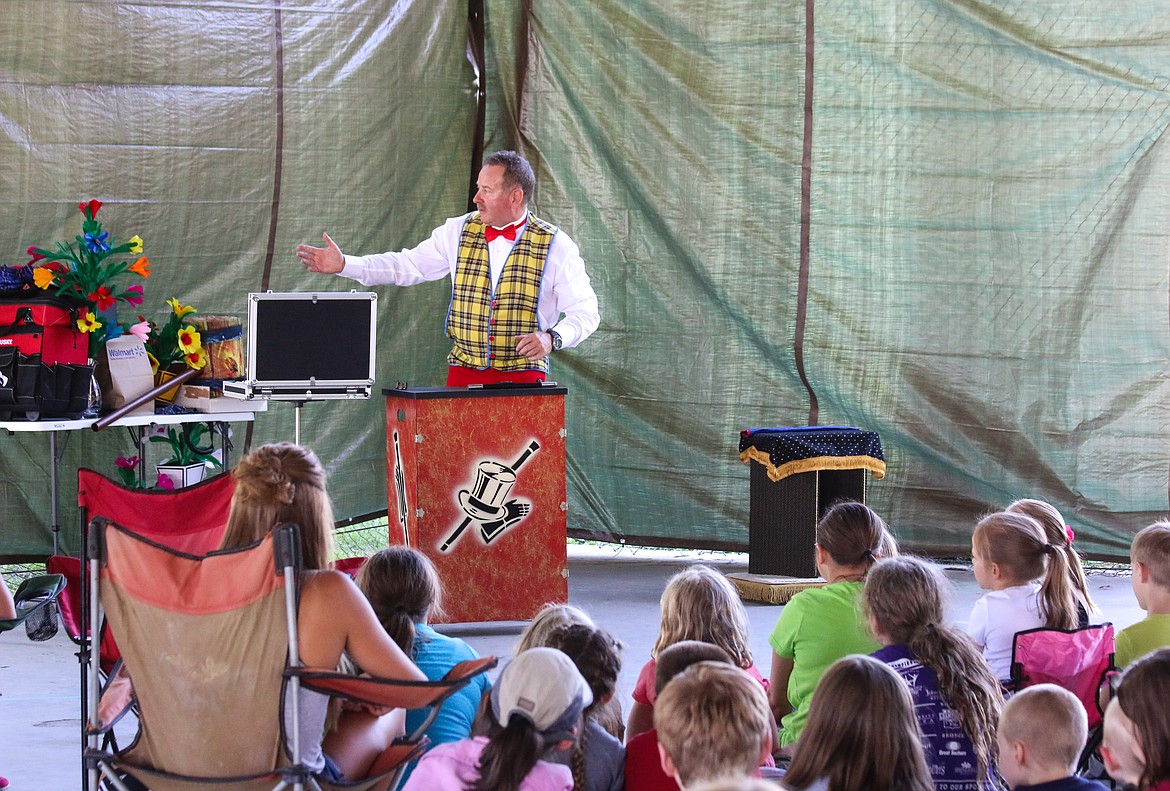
[{"x": 44, "y": 325}]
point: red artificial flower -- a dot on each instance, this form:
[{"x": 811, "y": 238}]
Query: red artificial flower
[
  {"x": 102, "y": 298},
  {"x": 90, "y": 209},
  {"x": 125, "y": 463},
  {"x": 32, "y": 250}
]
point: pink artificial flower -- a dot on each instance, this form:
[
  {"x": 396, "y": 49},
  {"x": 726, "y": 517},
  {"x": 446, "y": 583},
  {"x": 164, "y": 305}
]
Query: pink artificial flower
[
  {"x": 164, "y": 482},
  {"x": 135, "y": 300},
  {"x": 128, "y": 463},
  {"x": 141, "y": 330}
]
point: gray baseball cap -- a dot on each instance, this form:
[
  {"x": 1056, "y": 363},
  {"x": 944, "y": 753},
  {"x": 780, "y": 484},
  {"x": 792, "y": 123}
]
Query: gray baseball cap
[{"x": 545, "y": 687}]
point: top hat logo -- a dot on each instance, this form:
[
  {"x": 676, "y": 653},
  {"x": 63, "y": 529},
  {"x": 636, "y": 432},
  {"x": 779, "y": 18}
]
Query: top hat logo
[{"x": 487, "y": 496}]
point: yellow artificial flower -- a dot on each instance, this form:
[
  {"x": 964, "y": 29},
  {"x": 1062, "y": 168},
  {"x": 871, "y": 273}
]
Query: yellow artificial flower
[
  {"x": 135, "y": 244},
  {"x": 189, "y": 340},
  {"x": 42, "y": 277},
  {"x": 196, "y": 359},
  {"x": 153, "y": 363},
  {"x": 178, "y": 307},
  {"x": 88, "y": 323}
]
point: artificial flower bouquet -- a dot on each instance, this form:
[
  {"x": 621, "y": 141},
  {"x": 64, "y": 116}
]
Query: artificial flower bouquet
[{"x": 89, "y": 270}]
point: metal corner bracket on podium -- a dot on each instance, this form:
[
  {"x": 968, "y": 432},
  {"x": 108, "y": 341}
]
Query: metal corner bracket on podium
[{"x": 476, "y": 482}]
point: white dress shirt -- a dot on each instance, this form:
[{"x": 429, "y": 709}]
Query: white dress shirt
[{"x": 564, "y": 291}]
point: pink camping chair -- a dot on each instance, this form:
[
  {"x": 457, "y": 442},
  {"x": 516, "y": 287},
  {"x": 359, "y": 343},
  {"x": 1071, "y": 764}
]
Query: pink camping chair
[{"x": 1078, "y": 660}]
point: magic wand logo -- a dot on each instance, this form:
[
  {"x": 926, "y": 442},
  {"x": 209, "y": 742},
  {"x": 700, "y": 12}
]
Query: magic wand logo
[{"x": 487, "y": 504}]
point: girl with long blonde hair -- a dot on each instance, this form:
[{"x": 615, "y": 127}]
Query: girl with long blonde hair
[{"x": 698, "y": 603}]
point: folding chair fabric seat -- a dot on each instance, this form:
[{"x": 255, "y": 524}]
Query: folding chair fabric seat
[
  {"x": 31, "y": 595},
  {"x": 206, "y": 640},
  {"x": 1076, "y": 659}
]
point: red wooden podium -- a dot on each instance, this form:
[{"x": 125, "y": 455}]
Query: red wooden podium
[{"x": 476, "y": 481}]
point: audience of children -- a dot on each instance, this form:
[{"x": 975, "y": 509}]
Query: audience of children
[
  {"x": 551, "y": 617},
  {"x": 1061, "y": 535},
  {"x": 956, "y": 697},
  {"x": 1027, "y": 579},
  {"x": 283, "y": 483},
  {"x": 536, "y": 706},
  {"x": 1136, "y": 747},
  {"x": 598, "y": 758},
  {"x": 861, "y": 733},
  {"x": 643, "y": 764},
  {"x": 820, "y": 625},
  {"x": 404, "y": 590},
  {"x": 712, "y": 721},
  {"x": 1150, "y": 556},
  {"x": 701, "y": 604},
  {"x": 1042, "y": 733}
]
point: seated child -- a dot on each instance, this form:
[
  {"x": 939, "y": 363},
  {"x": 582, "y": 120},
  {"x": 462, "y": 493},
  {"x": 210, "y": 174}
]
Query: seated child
[
  {"x": 1042, "y": 732},
  {"x": 643, "y": 764},
  {"x": 403, "y": 587},
  {"x": 551, "y": 617},
  {"x": 821, "y": 625},
  {"x": 957, "y": 699},
  {"x": 739, "y": 784},
  {"x": 535, "y": 707},
  {"x": 1028, "y": 586},
  {"x": 1060, "y": 535},
  {"x": 698, "y": 603},
  {"x": 861, "y": 733},
  {"x": 598, "y": 759},
  {"x": 713, "y": 722},
  {"x": 1150, "y": 555},
  {"x": 1137, "y": 725}
]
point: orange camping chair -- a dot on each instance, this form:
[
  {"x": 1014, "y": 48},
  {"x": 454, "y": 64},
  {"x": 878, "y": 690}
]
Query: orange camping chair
[
  {"x": 214, "y": 694},
  {"x": 191, "y": 520}
]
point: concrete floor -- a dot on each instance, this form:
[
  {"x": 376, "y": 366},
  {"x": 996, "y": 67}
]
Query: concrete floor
[{"x": 39, "y": 710}]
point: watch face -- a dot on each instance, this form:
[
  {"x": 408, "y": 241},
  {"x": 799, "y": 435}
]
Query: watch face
[{"x": 556, "y": 341}]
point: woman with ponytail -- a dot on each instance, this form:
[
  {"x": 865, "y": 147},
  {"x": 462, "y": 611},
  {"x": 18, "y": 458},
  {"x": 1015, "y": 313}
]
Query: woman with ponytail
[
  {"x": 535, "y": 707},
  {"x": 402, "y": 585},
  {"x": 1027, "y": 582},
  {"x": 281, "y": 483},
  {"x": 1060, "y": 535},
  {"x": 821, "y": 625},
  {"x": 957, "y": 699}
]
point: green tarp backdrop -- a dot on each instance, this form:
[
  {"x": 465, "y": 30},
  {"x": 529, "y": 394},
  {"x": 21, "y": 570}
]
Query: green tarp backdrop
[{"x": 944, "y": 221}]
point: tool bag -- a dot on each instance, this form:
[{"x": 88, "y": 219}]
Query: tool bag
[{"x": 44, "y": 369}]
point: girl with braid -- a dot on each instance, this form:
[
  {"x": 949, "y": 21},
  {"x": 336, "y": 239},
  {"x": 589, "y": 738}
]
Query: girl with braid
[
  {"x": 957, "y": 699},
  {"x": 597, "y": 759},
  {"x": 821, "y": 625}
]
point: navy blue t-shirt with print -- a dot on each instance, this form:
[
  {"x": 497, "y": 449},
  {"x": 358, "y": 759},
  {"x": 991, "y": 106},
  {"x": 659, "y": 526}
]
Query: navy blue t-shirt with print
[{"x": 950, "y": 755}]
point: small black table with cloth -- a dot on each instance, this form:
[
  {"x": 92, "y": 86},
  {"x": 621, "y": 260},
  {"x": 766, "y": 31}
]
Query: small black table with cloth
[{"x": 799, "y": 473}]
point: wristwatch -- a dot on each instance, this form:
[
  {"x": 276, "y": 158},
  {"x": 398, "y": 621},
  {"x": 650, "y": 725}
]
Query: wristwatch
[{"x": 556, "y": 340}]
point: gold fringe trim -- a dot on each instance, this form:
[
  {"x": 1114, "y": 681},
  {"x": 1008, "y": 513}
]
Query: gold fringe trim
[
  {"x": 770, "y": 590},
  {"x": 813, "y": 464}
]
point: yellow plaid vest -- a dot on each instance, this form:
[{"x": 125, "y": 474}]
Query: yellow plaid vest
[{"x": 484, "y": 326}]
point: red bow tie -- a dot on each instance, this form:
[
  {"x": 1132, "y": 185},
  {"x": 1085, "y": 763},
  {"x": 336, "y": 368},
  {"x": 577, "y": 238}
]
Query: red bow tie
[{"x": 508, "y": 233}]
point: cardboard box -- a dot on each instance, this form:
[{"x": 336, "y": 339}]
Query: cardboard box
[{"x": 211, "y": 401}]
